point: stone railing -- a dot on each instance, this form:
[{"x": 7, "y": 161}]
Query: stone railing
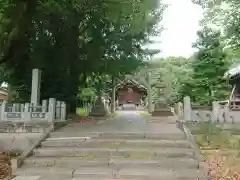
[
  {"x": 12, "y": 116},
  {"x": 216, "y": 113}
]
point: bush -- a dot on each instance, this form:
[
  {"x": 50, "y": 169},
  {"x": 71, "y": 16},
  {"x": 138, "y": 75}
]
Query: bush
[{"x": 82, "y": 112}]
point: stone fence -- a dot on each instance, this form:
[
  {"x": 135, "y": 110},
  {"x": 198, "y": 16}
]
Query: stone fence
[
  {"x": 28, "y": 114},
  {"x": 216, "y": 113}
]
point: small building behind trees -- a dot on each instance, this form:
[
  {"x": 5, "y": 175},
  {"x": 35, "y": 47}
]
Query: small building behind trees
[{"x": 233, "y": 77}]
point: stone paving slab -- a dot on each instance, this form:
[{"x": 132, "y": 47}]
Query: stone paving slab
[
  {"x": 127, "y": 173},
  {"x": 111, "y": 152},
  {"x": 116, "y": 143},
  {"x": 56, "y": 171},
  {"x": 95, "y": 173},
  {"x": 27, "y": 178},
  {"x": 161, "y": 174},
  {"x": 167, "y": 135},
  {"x": 115, "y": 163}
]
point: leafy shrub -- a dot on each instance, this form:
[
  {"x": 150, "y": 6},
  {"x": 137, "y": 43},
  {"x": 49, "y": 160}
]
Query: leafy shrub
[{"x": 82, "y": 112}]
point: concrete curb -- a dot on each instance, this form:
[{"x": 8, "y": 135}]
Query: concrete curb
[
  {"x": 181, "y": 125},
  {"x": 28, "y": 152}
]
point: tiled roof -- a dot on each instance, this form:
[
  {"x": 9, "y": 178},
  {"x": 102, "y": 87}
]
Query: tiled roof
[{"x": 234, "y": 70}]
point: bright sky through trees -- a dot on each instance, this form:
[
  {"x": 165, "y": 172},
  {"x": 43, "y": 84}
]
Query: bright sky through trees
[{"x": 181, "y": 22}]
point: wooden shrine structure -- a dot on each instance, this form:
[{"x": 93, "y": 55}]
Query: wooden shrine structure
[
  {"x": 130, "y": 92},
  {"x": 233, "y": 77}
]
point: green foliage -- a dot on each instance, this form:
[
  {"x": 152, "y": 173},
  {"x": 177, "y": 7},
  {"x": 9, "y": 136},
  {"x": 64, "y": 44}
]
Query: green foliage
[
  {"x": 88, "y": 94},
  {"x": 72, "y": 41},
  {"x": 83, "y": 112},
  {"x": 209, "y": 65},
  {"x": 172, "y": 72}
]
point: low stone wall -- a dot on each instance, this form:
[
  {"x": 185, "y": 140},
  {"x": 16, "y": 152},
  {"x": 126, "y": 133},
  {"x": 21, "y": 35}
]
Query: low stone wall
[{"x": 215, "y": 113}]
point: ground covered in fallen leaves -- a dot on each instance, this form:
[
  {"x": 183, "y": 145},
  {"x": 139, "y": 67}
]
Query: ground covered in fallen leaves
[{"x": 221, "y": 150}]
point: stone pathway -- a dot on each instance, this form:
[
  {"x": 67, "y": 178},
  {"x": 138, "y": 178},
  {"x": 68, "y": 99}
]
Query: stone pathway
[{"x": 125, "y": 148}]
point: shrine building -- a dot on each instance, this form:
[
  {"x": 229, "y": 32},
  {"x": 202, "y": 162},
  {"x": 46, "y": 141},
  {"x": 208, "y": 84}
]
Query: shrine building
[
  {"x": 130, "y": 92},
  {"x": 233, "y": 77}
]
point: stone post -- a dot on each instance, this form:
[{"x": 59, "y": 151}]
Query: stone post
[
  {"x": 63, "y": 111},
  {"x": 177, "y": 109},
  {"x": 226, "y": 114},
  {"x": 36, "y": 85},
  {"x": 51, "y": 109},
  {"x": 3, "y": 108},
  {"x": 22, "y": 107},
  {"x": 187, "y": 109},
  {"x": 26, "y": 115},
  {"x": 18, "y": 107},
  {"x": 215, "y": 111},
  {"x": 14, "y": 108},
  {"x": 58, "y": 110},
  {"x": 44, "y": 106}
]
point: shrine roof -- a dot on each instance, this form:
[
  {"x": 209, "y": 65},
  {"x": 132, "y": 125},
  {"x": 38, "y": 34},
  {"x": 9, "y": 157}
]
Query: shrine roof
[
  {"x": 131, "y": 81},
  {"x": 233, "y": 72}
]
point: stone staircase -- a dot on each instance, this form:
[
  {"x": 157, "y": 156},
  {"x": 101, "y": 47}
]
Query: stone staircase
[{"x": 160, "y": 154}]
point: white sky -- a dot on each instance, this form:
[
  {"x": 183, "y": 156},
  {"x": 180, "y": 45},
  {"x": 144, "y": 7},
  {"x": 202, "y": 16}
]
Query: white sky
[{"x": 181, "y": 22}]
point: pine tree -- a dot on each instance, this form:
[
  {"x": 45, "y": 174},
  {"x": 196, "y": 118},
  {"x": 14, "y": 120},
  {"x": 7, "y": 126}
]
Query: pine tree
[{"x": 209, "y": 65}]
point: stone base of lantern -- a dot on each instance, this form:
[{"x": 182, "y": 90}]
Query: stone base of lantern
[
  {"x": 162, "y": 112},
  {"x": 98, "y": 109}
]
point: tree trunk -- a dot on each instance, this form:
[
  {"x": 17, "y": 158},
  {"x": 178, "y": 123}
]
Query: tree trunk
[{"x": 113, "y": 105}]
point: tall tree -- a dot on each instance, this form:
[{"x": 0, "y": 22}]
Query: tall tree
[
  {"x": 209, "y": 66},
  {"x": 69, "y": 40}
]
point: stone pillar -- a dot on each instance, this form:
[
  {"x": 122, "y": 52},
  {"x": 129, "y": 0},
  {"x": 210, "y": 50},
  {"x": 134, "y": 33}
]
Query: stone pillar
[
  {"x": 226, "y": 114},
  {"x": 63, "y": 111},
  {"x": 26, "y": 115},
  {"x": 44, "y": 106},
  {"x": 215, "y": 111},
  {"x": 51, "y": 109},
  {"x": 187, "y": 109},
  {"x": 14, "y": 109},
  {"x": 178, "y": 109},
  {"x": 3, "y": 107},
  {"x": 36, "y": 83},
  {"x": 58, "y": 110},
  {"x": 149, "y": 93},
  {"x": 113, "y": 104}
]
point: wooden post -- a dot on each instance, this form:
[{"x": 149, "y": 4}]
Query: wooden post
[{"x": 149, "y": 93}]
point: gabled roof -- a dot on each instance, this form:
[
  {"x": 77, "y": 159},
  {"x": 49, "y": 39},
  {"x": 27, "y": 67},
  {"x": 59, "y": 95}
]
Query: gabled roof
[
  {"x": 233, "y": 71},
  {"x": 130, "y": 81}
]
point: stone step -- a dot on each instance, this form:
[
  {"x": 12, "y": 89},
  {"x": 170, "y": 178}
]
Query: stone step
[
  {"x": 138, "y": 143},
  {"x": 27, "y": 178},
  {"x": 174, "y": 163},
  {"x": 114, "y": 152},
  {"x": 175, "y": 134},
  {"x": 127, "y": 173}
]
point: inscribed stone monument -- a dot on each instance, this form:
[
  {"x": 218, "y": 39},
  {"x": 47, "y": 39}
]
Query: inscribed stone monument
[{"x": 36, "y": 85}]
